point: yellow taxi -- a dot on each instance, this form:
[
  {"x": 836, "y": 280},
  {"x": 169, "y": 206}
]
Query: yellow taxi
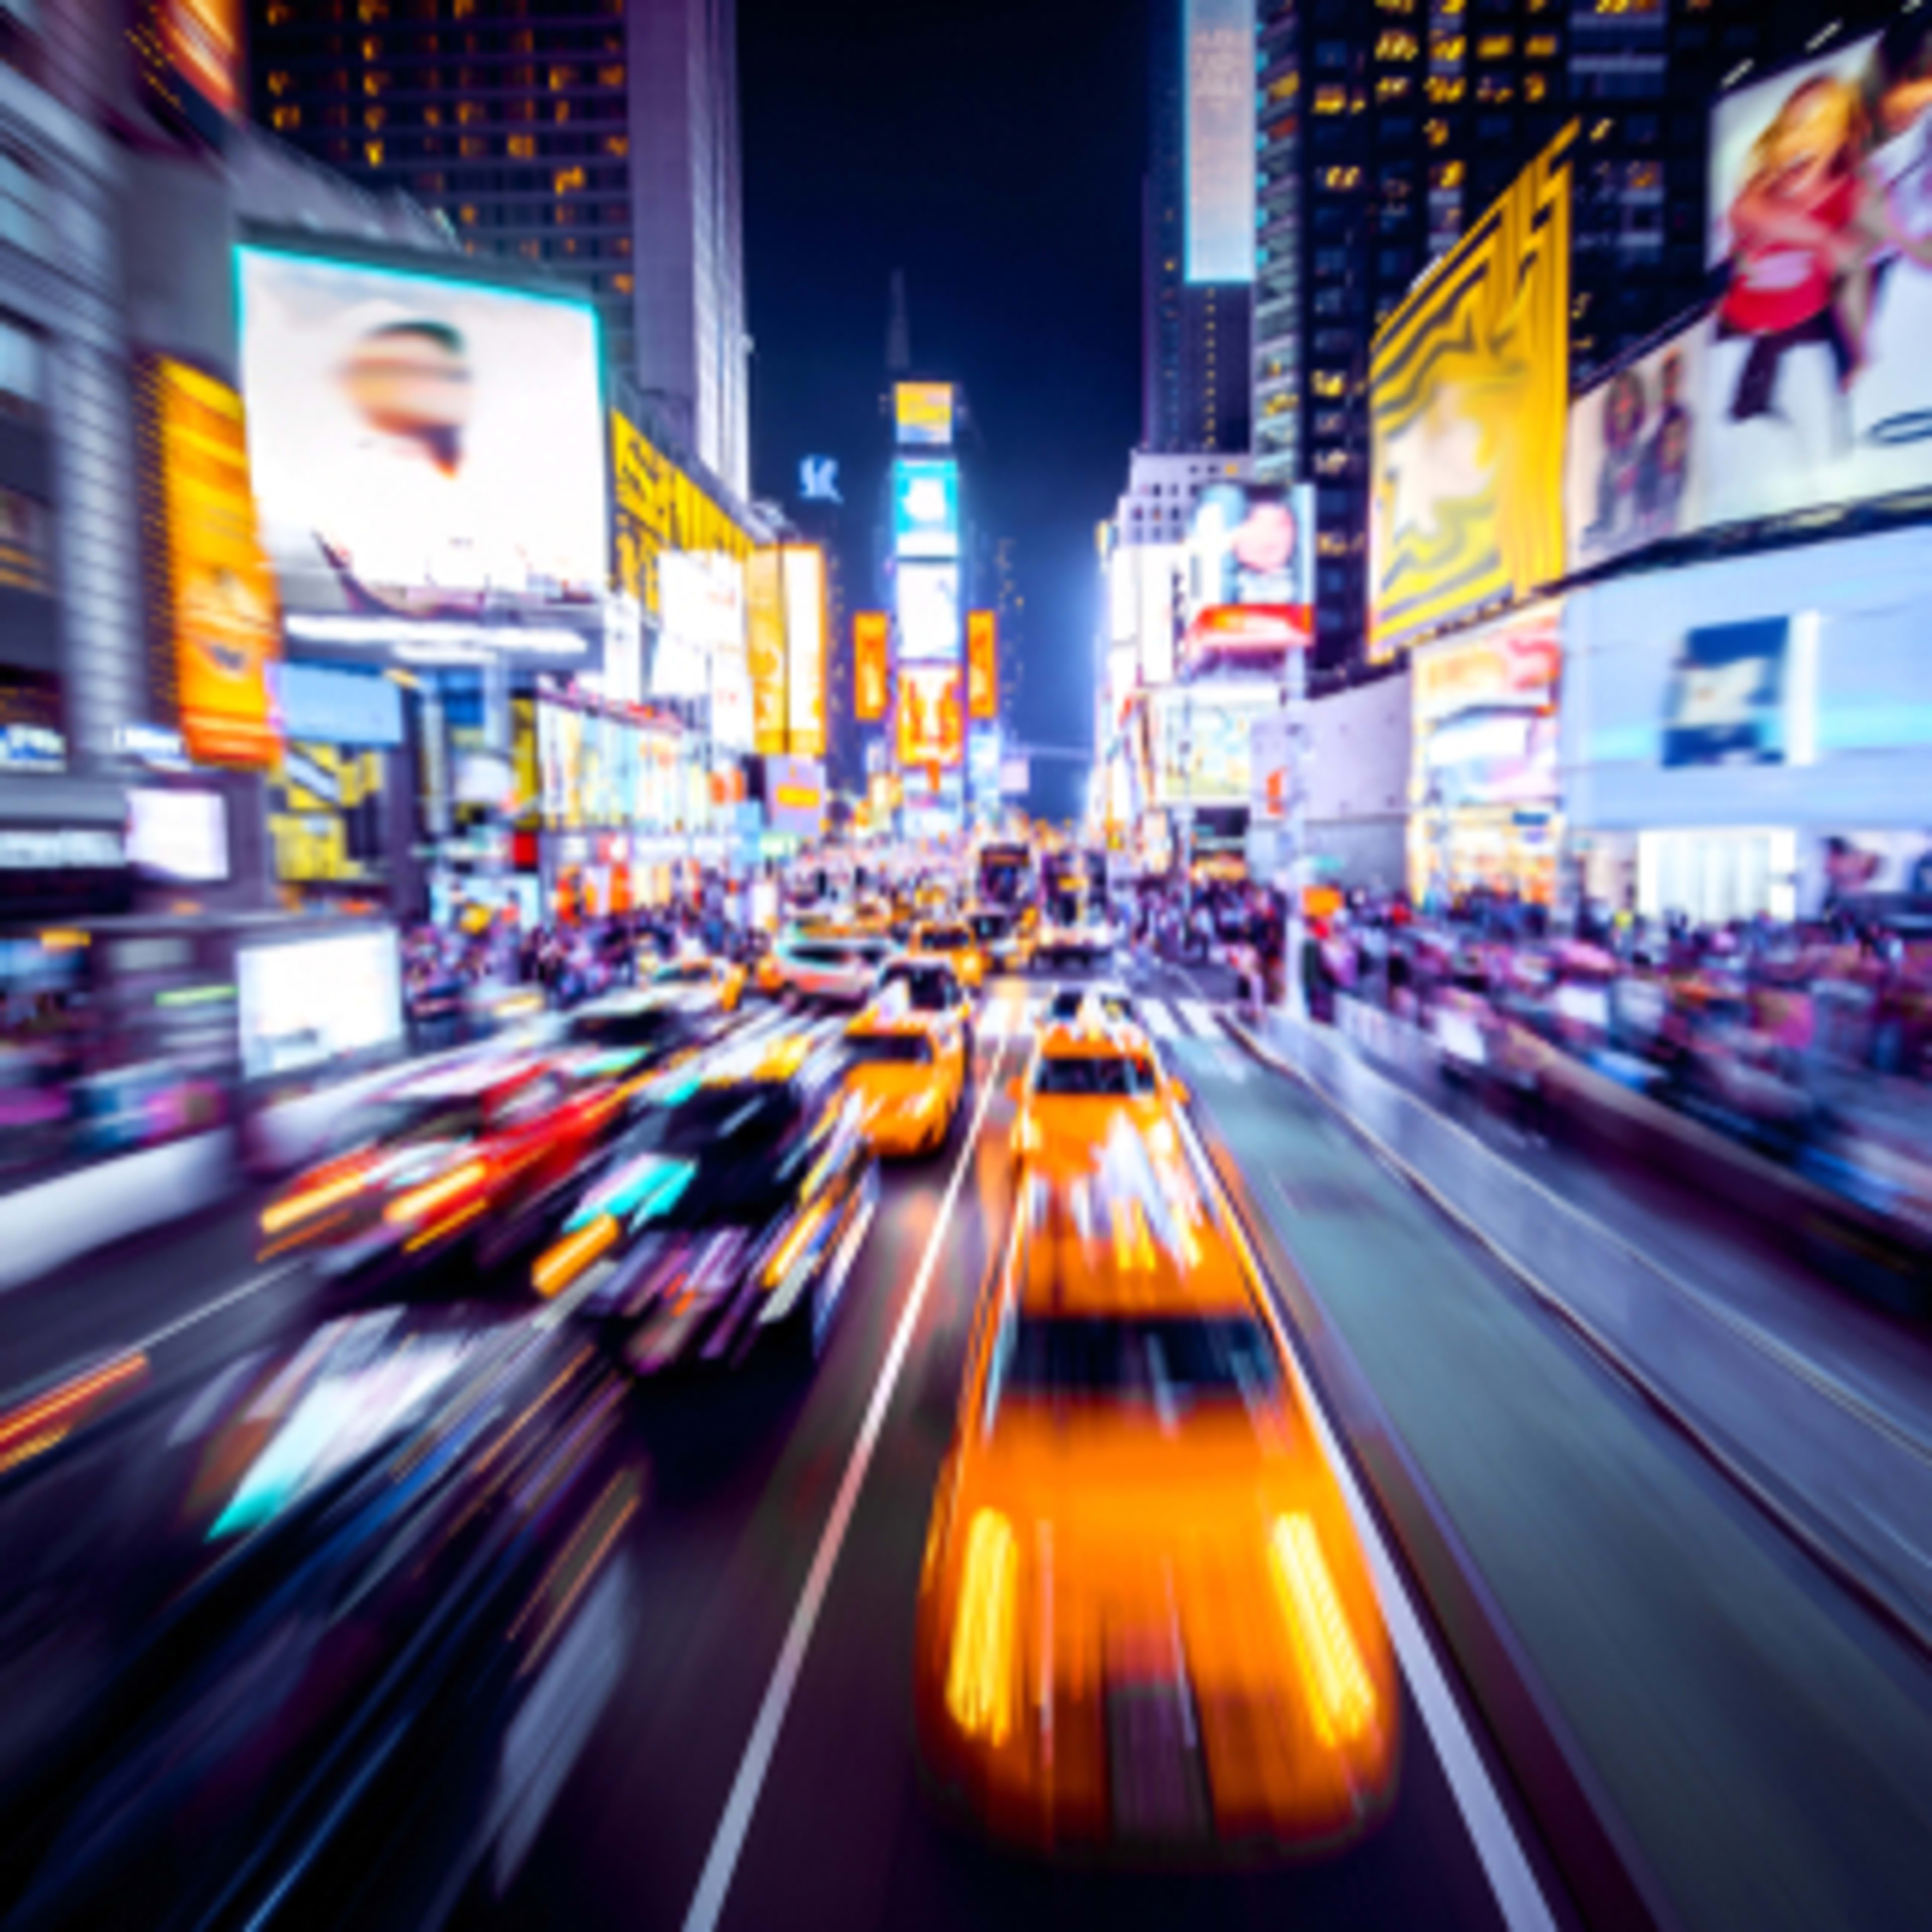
[
  {"x": 1086, "y": 1073},
  {"x": 953, "y": 940},
  {"x": 725, "y": 979},
  {"x": 1146, "y": 1630},
  {"x": 908, "y": 1053}
]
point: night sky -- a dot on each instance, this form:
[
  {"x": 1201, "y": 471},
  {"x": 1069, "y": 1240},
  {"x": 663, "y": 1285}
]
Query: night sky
[{"x": 994, "y": 151}]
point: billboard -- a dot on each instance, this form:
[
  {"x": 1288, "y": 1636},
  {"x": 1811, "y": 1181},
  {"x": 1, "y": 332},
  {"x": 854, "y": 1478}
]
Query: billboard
[
  {"x": 932, "y": 726},
  {"x": 1468, "y": 401},
  {"x": 1484, "y": 714},
  {"x": 216, "y": 618},
  {"x": 1252, "y": 543},
  {"x": 1200, "y": 742},
  {"x": 1160, "y": 567},
  {"x": 923, "y": 414},
  {"x": 1634, "y": 470},
  {"x": 1219, "y": 49},
  {"x": 660, "y": 509},
  {"x": 765, "y": 648},
  {"x": 795, "y": 797},
  {"x": 926, "y": 507},
  {"x": 1726, "y": 700},
  {"x": 983, "y": 665},
  {"x": 872, "y": 640},
  {"x": 422, "y": 446},
  {"x": 190, "y": 56},
  {"x": 1818, "y": 388},
  {"x": 803, "y": 568},
  {"x": 927, "y": 595}
]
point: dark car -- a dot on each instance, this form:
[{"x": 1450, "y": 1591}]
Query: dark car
[
  {"x": 291, "y": 1646},
  {"x": 730, "y": 1212}
]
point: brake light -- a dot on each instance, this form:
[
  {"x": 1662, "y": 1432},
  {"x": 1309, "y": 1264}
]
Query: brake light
[
  {"x": 1341, "y": 1698},
  {"x": 980, "y": 1673},
  {"x": 425, "y": 1200},
  {"x": 560, "y": 1265},
  {"x": 284, "y": 1214}
]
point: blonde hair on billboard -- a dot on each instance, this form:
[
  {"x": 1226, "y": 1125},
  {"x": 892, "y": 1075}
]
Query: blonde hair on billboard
[{"x": 1823, "y": 116}]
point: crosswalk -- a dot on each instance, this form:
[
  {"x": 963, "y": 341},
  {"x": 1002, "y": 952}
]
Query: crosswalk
[{"x": 1019, "y": 1012}]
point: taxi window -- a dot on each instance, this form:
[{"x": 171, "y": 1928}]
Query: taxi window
[
  {"x": 1110, "y": 1076},
  {"x": 883, "y": 1049},
  {"x": 946, "y": 939},
  {"x": 927, "y": 991},
  {"x": 1168, "y": 1361},
  {"x": 991, "y": 925}
]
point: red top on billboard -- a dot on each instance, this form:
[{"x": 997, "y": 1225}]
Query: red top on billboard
[{"x": 1243, "y": 632}]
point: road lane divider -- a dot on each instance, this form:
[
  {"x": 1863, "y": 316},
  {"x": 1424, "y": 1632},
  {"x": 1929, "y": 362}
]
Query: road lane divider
[{"x": 721, "y": 1864}]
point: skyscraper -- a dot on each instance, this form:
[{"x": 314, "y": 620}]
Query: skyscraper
[
  {"x": 1384, "y": 130},
  {"x": 598, "y": 137},
  {"x": 1197, "y": 199}
]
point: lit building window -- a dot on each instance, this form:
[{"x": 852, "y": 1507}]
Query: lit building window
[
  {"x": 1395, "y": 44},
  {"x": 623, "y": 283},
  {"x": 1540, "y": 46},
  {"x": 1448, "y": 49},
  {"x": 1447, "y": 174},
  {"x": 1330, "y": 382},
  {"x": 278, "y": 84},
  {"x": 372, "y": 153},
  {"x": 1535, "y": 86},
  {"x": 1494, "y": 90},
  {"x": 1495, "y": 46},
  {"x": 1436, "y": 133},
  {"x": 1392, "y": 87},
  {"x": 611, "y": 76},
  {"x": 521, "y": 147},
  {"x": 1446, "y": 89},
  {"x": 618, "y": 145},
  {"x": 1330, "y": 100}
]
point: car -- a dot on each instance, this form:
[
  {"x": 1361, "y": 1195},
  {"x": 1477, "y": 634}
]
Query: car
[
  {"x": 837, "y": 968},
  {"x": 729, "y": 1212},
  {"x": 1002, "y": 936},
  {"x": 909, "y": 1053},
  {"x": 1145, "y": 1629},
  {"x": 643, "y": 1026},
  {"x": 1083, "y": 937},
  {"x": 1107, "y": 998},
  {"x": 470, "y": 1162},
  {"x": 1082, "y": 1075},
  {"x": 724, "y": 979},
  {"x": 951, "y": 939}
]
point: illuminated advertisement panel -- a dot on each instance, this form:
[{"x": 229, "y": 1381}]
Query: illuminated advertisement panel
[
  {"x": 661, "y": 510},
  {"x": 983, "y": 665},
  {"x": 923, "y": 412},
  {"x": 190, "y": 55},
  {"x": 872, "y": 635},
  {"x": 803, "y": 569},
  {"x": 1818, "y": 388},
  {"x": 218, "y": 612},
  {"x": 1201, "y": 742},
  {"x": 928, "y": 594},
  {"x": 422, "y": 446},
  {"x": 795, "y": 797},
  {"x": 1635, "y": 472},
  {"x": 1219, "y": 105},
  {"x": 1159, "y": 567},
  {"x": 932, "y": 726},
  {"x": 1468, "y": 403},
  {"x": 926, "y": 507},
  {"x": 1485, "y": 714},
  {"x": 765, "y": 648}
]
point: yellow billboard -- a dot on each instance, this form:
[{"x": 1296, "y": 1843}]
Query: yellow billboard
[
  {"x": 765, "y": 649},
  {"x": 660, "y": 508},
  {"x": 802, "y": 567},
  {"x": 217, "y": 609},
  {"x": 923, "y": 413},
  {"x": 1468, "y": 404}
]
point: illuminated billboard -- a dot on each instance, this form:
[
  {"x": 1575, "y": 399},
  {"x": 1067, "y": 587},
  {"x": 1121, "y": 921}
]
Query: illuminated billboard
[
  {"x": 190, "y": 53},
  {"x": 1485, "y": 721},
  {"x": 1251, "y": 570},
  {"x": 795, "y": 797},
  {"x": 1159, "y": 567},
  {"x": 765, "y": 649},
  {"x": 1200, "y": 742},
  {"x": 983, "y": 665},
  {"x": 216, "y": 620},
  {"x": 422, "y": 446},
  {"x": 871, "y": 635},
  {"x": 660, "y": 509},
  {"x": 1635, "y": 474},
  {"x": 1818, "y": 388},
  {"x": 1219, "y": 91},
  {"x": 926, "y": 507},
  {"x": 922, "y": 413},
  {"x": 1469, "y": 402},
  {"x": 927, "y": 595},
  {"x": 932, "y": 723},
  {"x": 803, "y": 569}
]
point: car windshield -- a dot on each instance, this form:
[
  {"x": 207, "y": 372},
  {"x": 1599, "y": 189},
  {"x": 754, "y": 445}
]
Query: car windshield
[
  {"x": 1095, "y": 1076},
  {"x": 889, "y": 1049},
  {"x": 405, "y": 1122},
  {"x": 1167, "y": 1361},
  {"x": 928, "y": 992},
  {"x": 946, "y": 939},
  {"x": 737, "y": 1117}
]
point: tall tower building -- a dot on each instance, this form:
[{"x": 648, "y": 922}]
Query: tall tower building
[
  {"x": 598, "y": 137},
  {"x": 1384, "y": 129},
  {"x": 1197, "y": 253}
]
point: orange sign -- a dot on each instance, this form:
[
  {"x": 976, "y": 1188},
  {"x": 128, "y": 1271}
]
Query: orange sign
[
  {"x": 870, "y": 632},
  {"x": 220, "y": 612},
  {"x": 932, "y": 725},
  {"x": 765, "y": 647},
  {"x": 982, "y": 665}
]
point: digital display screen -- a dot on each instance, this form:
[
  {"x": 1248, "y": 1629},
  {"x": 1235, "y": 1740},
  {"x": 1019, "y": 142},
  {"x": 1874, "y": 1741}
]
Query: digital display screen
[
  {"x": 926, "y": 507},
  {"x": 929, "y": 612}
]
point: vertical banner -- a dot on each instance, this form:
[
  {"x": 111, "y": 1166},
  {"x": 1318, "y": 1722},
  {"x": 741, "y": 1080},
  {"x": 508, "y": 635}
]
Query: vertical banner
[
  {"x": 802, "y": 569},
  {"x": 765, "y": 638},
  {"x": 983, "y": 665},
  {"x": 870, "y": 638},
  {"x": 217, "y": 606},
  {"x": 931, "y": 731}
]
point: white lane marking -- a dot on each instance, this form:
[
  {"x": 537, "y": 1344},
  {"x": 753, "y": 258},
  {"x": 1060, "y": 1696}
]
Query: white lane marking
[
  {"x": 707, "y": 1905},
  {"x": 1161, "y": 1022},
  {"x": 148, "y": 1343},
  {"x": 1518, "y": 1898},
  {"x": 1200, "y": 1016}
]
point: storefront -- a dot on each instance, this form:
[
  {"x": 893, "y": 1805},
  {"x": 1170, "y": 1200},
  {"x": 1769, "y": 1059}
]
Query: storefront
[
  {"x": 1754, "y": 735},
  {"x": 1483, "y": 774}
]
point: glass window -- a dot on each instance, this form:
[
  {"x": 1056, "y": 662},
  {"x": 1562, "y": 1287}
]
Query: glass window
[
  {"x": 25, "y": 561},
  {"x": 1094, "y": 1076},
  {"x": 22, "y": 368},
  {"x": 22, "y": 203},
  {"x": 1168, "y": 1361}
]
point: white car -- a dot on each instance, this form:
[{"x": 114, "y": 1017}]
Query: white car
[{"x": 840, "y": 971}]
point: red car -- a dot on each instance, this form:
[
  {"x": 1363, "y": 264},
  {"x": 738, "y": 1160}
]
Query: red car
[{"x": 472, "y": 1162}]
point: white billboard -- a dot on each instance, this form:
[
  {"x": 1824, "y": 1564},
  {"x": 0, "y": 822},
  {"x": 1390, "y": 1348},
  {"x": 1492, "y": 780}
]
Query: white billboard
[
  {"x": 804, "y": 581},
  {"x": 1634, "y": 476},
  {"x": 1162, "y": 567},
  {"x": 421, "y": 445},
  {"x": 1219, "y": 90},
  {"x": 927, "y": 596}
]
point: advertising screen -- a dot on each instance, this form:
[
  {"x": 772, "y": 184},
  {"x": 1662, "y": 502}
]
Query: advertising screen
[
  {"x": 305, "y": 1004},
  {"x": 659, "y": 508},
  {"x": 926, "y": 507},
  {"x": 1819, "y": 388},
  {"x": 1485, "y": 714},
  {"x": 1219, "y": 38},
  {"x": 765, "y": 649},
  {"x": 928, "y": 594},
  {"x": 795, "y": 797},
  {"x": 983, "y": 665},
  {"x": 1634, "y": 474},
  {"x": 422, "y": 446},
  {"x": 1201, "y": 742},
  {"x": 1726, "y": 704},
  {"x": 872, "y": 637},
  {"x": 923, "y": 412},
  {"x": 1159, "y": 567},
  {"x": 804, "y": 573},
  {"x": 217, "y": 615},
  {"x": 932, "y": 725},
  {"x": 179, "y": 835},
  {"x": 1469, "y": 402},
  {"x": 1252, "y": 543}
]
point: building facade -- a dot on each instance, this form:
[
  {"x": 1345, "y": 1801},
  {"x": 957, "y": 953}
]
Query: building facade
[{"x": 596, "y": 138}]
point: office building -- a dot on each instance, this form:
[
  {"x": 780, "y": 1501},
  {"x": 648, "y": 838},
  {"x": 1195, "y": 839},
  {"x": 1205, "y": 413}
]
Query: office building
[
  {"x": 1384, "y": 129},
  {"x": 597, "y": 138}
]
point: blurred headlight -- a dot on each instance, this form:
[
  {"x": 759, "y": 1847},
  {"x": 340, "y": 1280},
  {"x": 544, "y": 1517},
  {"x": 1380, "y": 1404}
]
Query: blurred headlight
[
  {"x": 979, "y": 1688},
  {"x": 282, "y": 1214},
  {"x": 421, "y": 1201},
  {"x": 1340, "y": 1696},
  {"x": 558, "y": 1266}
]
